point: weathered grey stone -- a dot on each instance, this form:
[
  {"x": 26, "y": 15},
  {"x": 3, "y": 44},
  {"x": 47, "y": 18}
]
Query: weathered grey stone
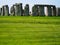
[
  {"x": 26, "y": 10},
  {"x": 5, "y": 10},
  {"x": 35, "y": 11},
  {"x": 20, "y": 9},
  {"x": 0, "y": 11},
  {"x": 58, "y": 11},
  {"x": 38, "y": 10},
  {"x": 54, "y": 11},
  {"x": 2, "y": 14},
  {"x": 12, "y": 11},
  {"x": 41, "y": 10},
  {"x": 49, "y": 11},
  {"x": 17, "y": 10}
]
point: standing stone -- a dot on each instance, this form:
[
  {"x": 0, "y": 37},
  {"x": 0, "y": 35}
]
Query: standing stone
[
  {"x": 23, "y": 12},
  {"x": 2, "y": 14},
  {"x": 58, "y": 11},
  {"x": 6, "y": 10},
  {"x": 49, "y": 11},
  {"x": 12, "y": 11},
  {"x": 41, "y": 10},
  {"x": 26, "y": 10},
  {"x": 0, "y": 11},
  {"x": 16, "y": 9},
  {"x": 20, "y": 9},
  {"x": 35, "y": 11},
  {"x": 54, "y": 11},
  {"x": 38, "y": 10}
]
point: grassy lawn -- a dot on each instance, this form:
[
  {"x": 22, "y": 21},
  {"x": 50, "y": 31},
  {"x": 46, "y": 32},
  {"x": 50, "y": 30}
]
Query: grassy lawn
[{"x": 27, "y": 30}]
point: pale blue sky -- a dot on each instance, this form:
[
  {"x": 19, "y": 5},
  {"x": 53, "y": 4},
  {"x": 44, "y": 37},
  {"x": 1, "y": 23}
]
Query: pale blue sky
[{"x": 30, "y": 2}]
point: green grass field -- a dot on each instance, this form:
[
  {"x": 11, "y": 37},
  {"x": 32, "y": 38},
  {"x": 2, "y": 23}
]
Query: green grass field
[{"x": 29, "y": 30}]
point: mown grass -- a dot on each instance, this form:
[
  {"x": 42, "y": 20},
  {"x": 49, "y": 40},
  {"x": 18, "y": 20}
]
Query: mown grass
[{"x": 27, "y": 30}]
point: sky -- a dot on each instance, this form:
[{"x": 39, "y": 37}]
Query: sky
[{"x": 30, "y": 2}]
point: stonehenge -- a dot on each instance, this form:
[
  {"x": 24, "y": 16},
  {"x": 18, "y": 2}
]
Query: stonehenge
[{"x": 37, "y": 10}]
